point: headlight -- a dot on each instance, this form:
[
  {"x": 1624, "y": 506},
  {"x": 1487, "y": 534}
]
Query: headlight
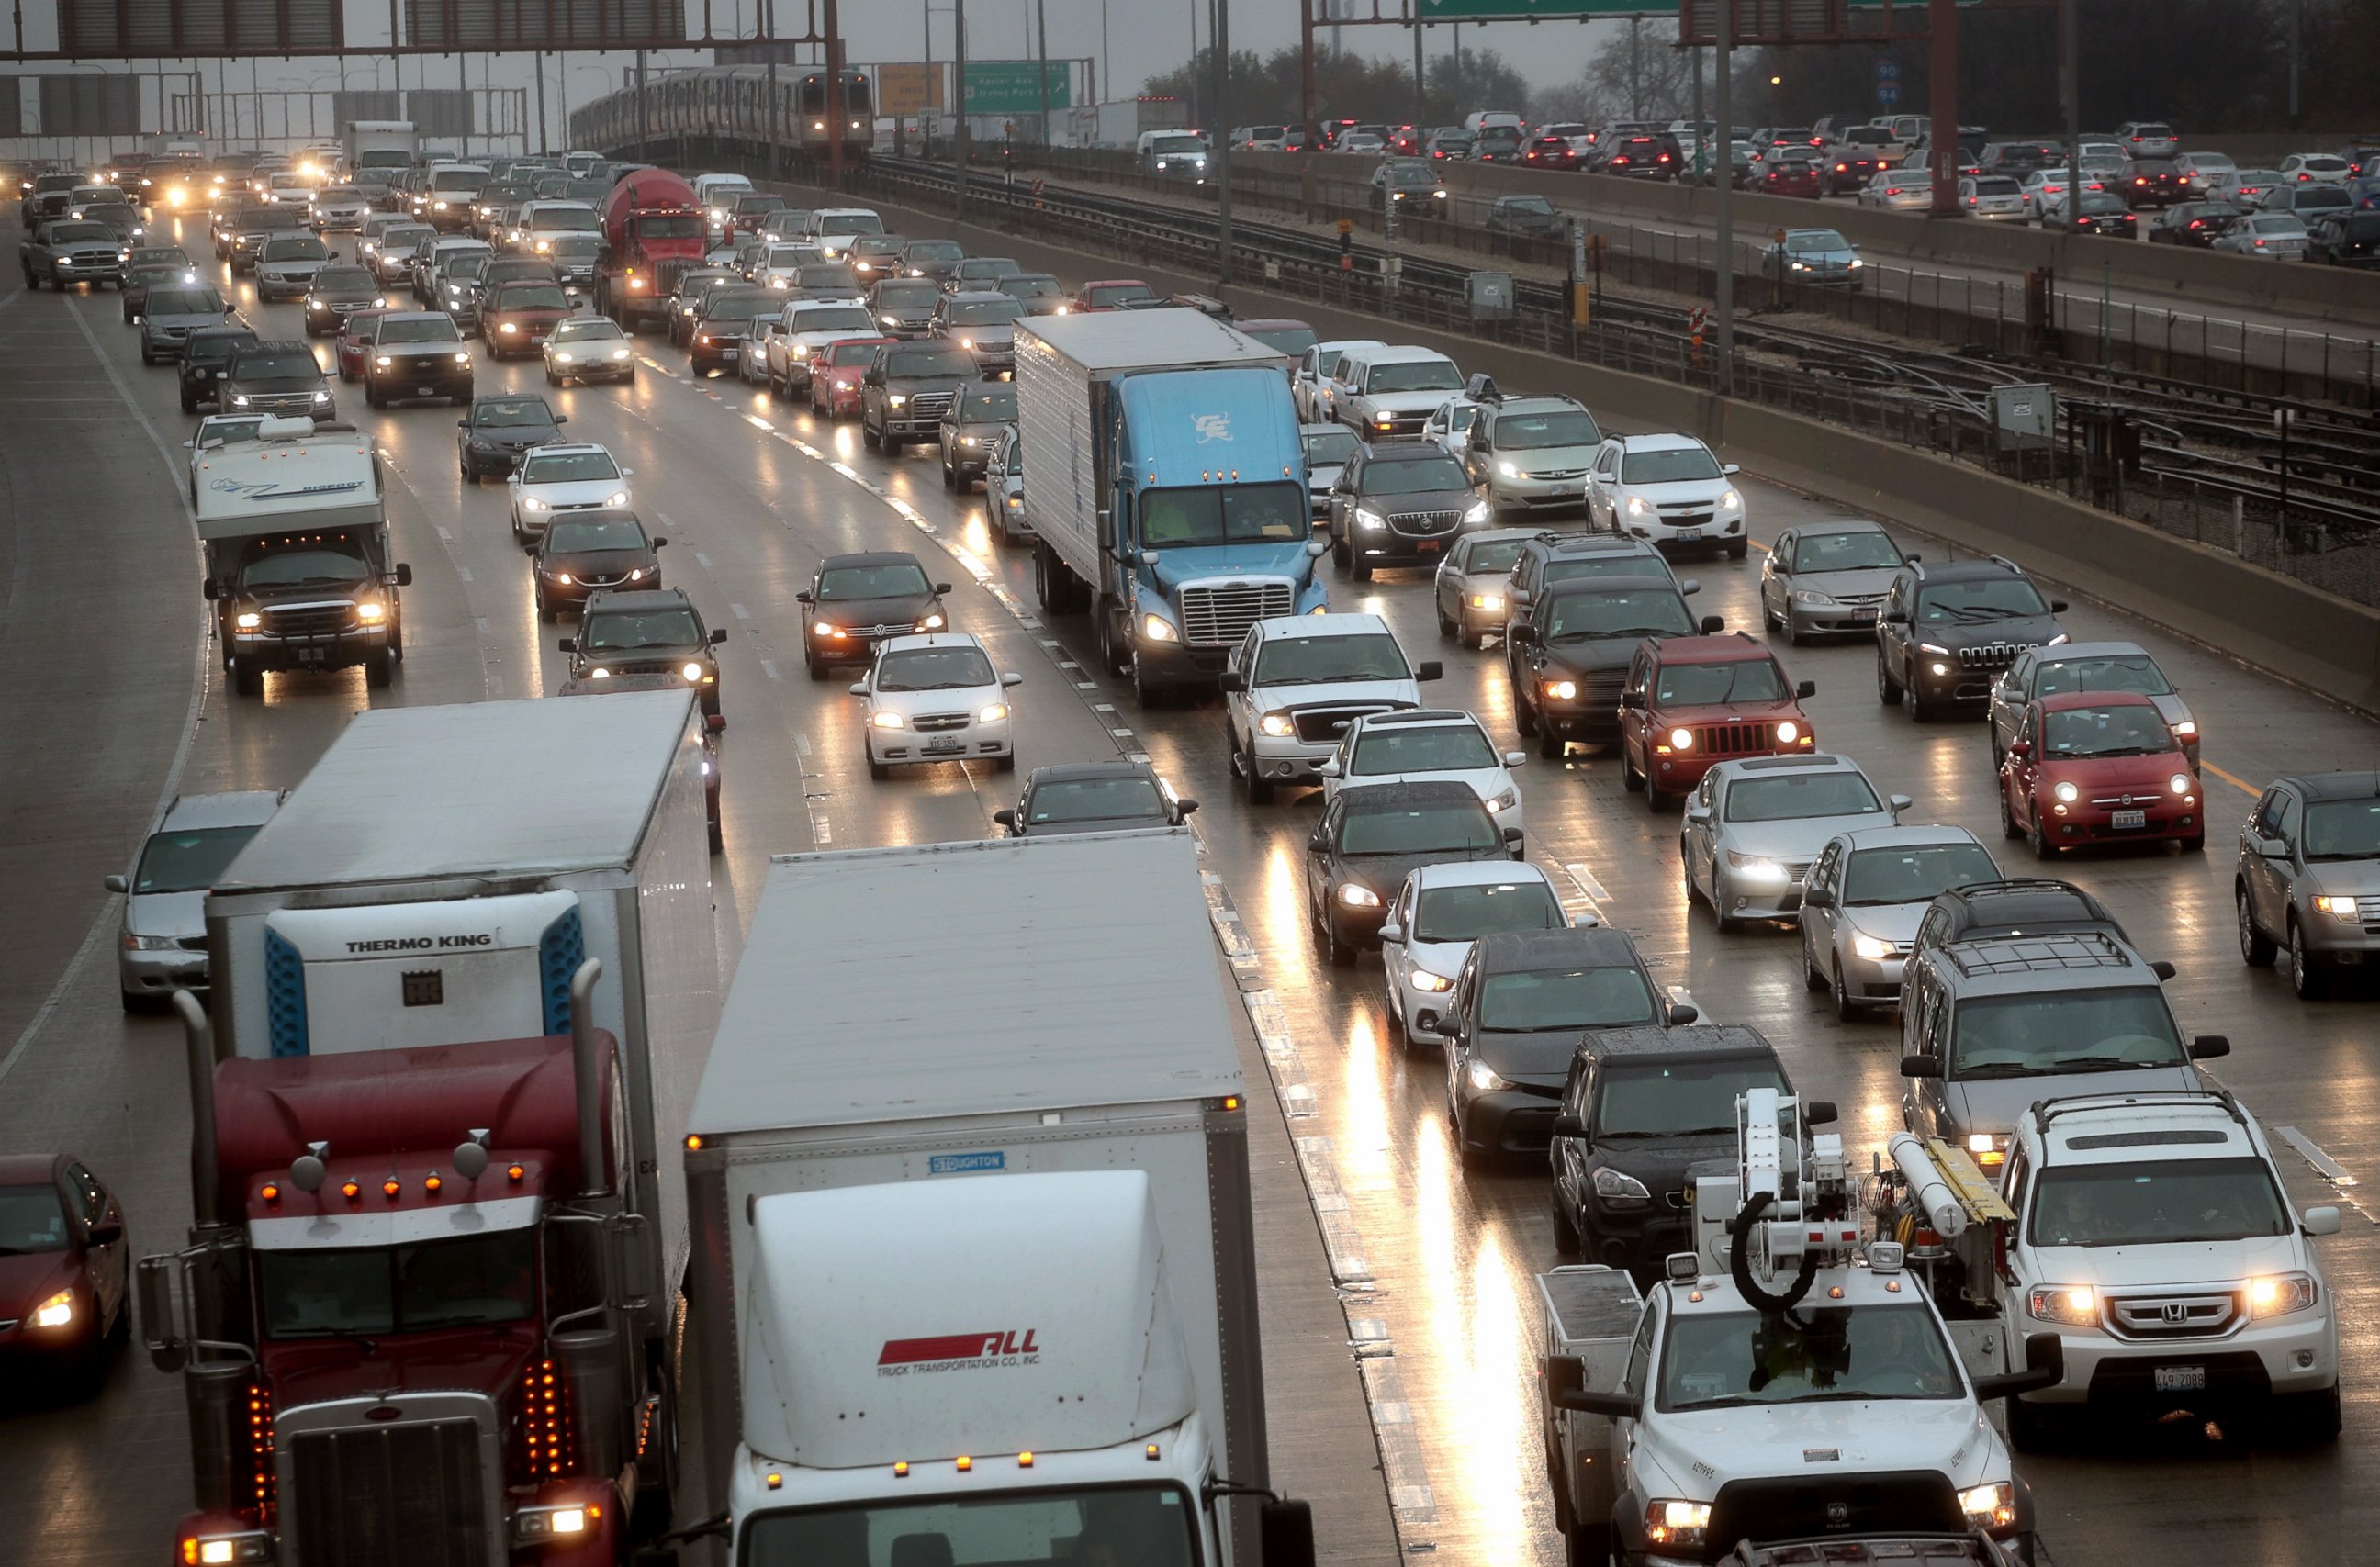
[
  {"x": 897, "y": 400},
  {"x": 551, "y": 1523},
  {"x": 564, "y": 359},
  {"x": 1756, "y": 867},
  {"x": 2280, "y": 1294},
  {"x": 239, "y": 400},
  {"x": 1279, "y": 726},
  {"x": 619, "y": 353},
  {"x": 2186, "y": 728},
  {"x": 1486, "y": 601},
  {"x": 2180, "y": 784},
  {"x": 384, "y": 361},
  {"x": 1483, "y": 1079},
  {"x": 1505, "y": 801},
  {"x": 322, "y": 396},
  {"x": 133, "y": 943},
  {"x": 2067, "y": 793},
  {"x": 1636, "y": 506},
  {"x": 992, "y": 712},
  {"x": 54, "y": 1312},
  {"x": 1507, "y": 470},
  {"x": 1871, "y": 949},
  {"x": 562, "y": 578},
  {"x": 1369, "y": 521},
  {"x": 1676, "y": 1522},
  {"x": 932, "y": 623},
  {"x": 969, "y": 440},
  {"x": 371, "y": 611},
  {"x": 1480, "y": 512},
  {"x": 1153, "y": 626},
  {"x": 1562, "y": 691},
  {"x": 1619, "y": 1188},
  {"x": 1993, "y": 1506},
  {"x": 1811, "y": 598},
  {"x": 888, "y": 720},
  {"x": 1729, "y": 501},
  {"x": 1682, "y": 739},
  {"x": 508, "y": 326},
  {"x": 691, "y": 671},
  {"x": 1423, "y": 980},
  {"x": 2341, "y": 908},
  {"x": 379, "y": 304},
  {"x": 822, "y": 628},
  {"x": 463, "y": 360},
  {"x": 1789, "y": 732},
  {"x": 532, "y": 503},
  {"x": 968, "y": 344}
]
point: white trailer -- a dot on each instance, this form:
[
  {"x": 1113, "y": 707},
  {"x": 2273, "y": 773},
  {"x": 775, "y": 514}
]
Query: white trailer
[
  {"x": 960, "y": 1043},
  {"x": 385, "y": 145},
  {"x": 442, "y": 872}
]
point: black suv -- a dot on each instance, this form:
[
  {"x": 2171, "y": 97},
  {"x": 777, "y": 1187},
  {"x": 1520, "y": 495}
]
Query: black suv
[
  {"x": 277, "y": 377},
  {"x": 1552, "y": 557},
  {"x": 2020, "y": 907},
  {"x": 1949, "y": 628},
  {"x": 1513, "y": 1021},
  {"x": 1571, "y": 656},
  {"x": 855, "y": 601},
  {"x": 1641, "y": 1108},
  {"x": 204, "y": 353},
  {"x": 646, "y": 631},
  {"x": 416, "y": 354},
  {"x": 1399, "y": 504},
  {"x": 969, "y": 427}
]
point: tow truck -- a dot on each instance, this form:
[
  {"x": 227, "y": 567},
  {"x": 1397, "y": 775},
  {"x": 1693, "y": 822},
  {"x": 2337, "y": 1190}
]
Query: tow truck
[{"x": 1787, "y": 1378}]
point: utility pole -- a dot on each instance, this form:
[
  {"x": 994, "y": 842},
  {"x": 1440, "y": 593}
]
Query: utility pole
[
  {"x": 958, "y": 84},
  {"x": 2069, "y": 45},
  {"x": 1942, "y": 18},
  {"x": 644, "y": 132},
  {"x": 545, "y": 141},
  {"x": 1421, "y": 101},
  {"x": 1222, "y": 142},
  {"x": 776, "y": 103},
  {"x": 1042, "y": 60},
  {"x": 1636, "y": 68},
  {"x": 2297, "y": 30},
  {"x": 1723, "y": 179},
  {"x": 1702, "y": 139},
  {"x": 838, "y": 108}
]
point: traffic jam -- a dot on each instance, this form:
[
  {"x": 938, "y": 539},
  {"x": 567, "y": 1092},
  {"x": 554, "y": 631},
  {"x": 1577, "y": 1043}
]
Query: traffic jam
[{"x": 523, "y": 1224}]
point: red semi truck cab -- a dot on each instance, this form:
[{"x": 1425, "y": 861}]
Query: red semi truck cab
[
  {"x": 398, "y": 1322},
  {"x": 651, "y": 217}
]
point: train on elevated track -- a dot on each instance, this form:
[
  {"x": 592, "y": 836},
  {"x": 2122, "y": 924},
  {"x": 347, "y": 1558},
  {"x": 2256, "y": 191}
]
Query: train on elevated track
[{"x": 734, "y": 105}]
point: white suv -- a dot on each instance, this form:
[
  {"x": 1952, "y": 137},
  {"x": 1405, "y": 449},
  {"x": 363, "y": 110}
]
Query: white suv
[
  {"x": 1668, "y": 490},
  {"x": 1296, "y": 682},
  {"x": 2155, "y": 1235},
  {"x": 1409, "y": 745}
]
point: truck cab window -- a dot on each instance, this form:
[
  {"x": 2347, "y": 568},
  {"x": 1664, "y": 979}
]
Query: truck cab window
[{"x": 1242, "y": 515}]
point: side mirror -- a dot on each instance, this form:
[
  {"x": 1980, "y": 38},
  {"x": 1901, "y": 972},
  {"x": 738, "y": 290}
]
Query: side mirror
[
  {"x": 2044, "y": 1360},
  {"x": 1513, "y": 836},
  {"x": 1712, "y": 624},
  {"x": 627, "y": 473},
  {"x": 2270, "y": 848},
  {"x": 1006, "y": 819},
  {"x": 1633, "y": 701},
  {"x": 1318, "y": 839},
  {"x": 1895, "y": 617},
  {"x": 1285, "y": 1534},
  {"x": 1817, "y": 897},
  {"x": 1522, "y": 634},
  {"x": 154, "y": 1282},
  {"x": 1568, "y": 1127},
  {"x": 1012, "y": 678},
  {"x": 1689, "y": 587},
  {"x": 1393, "y": 931},
  {"x": 119, "y": 883},
  {"x": 859, "y": 688},
  {"x": 106, "y": 1233},
  {"x": 1681, "y": 1013},
  {"x": 567, "y": 645},
  {"x": 1327, "y": 768},
  {"x": 1184, "y": 806},
  {"x": 2207, "y": 1047},
  {"x": 718, "y": 635},
  {"x": 1430, "y": 670},
  {"x": 1805, "y": 690},
  {"x": 1515, "y": 759},
  {"x": 1912, "y": 558},
  {"x": 803, "y": 599},
  {"x": 208, "y": 589},
  {"x": 1920, "y": 1066},
  {"x": 1232, "y": 680},
  {"x": 1699, "y": 814},
  {"x": 1566, "y": 1388},
  {"x": 1899, "y": 803},
  {"x": 2058, "y": 606},
  {"x": 941, "y": 587},
  {"x": 661, "y": 543},
  {"x": 462, "y": 424},
  {"x": 1731, "y": 469},
  {"x": 1819, "y": 1112},
  {"x": 2020, "y": 749},
  {"x": 2321, "y": 1220},
  {"x": 1317, "y": 548},
  {"x": 2161, "y": 968}
]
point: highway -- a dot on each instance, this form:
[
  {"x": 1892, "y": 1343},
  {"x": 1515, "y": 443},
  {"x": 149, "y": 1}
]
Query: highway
[{"x": 112, "y": 699}]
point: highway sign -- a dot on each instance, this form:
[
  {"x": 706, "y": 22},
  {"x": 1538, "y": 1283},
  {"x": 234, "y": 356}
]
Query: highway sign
[
  {"x": 1014, "y": 87},
  {"x": 1887, "y": 69},
  {"x": 1888, "y": 94}
]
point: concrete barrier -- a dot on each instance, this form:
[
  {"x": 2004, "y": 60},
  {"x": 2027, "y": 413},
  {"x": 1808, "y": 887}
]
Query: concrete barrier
[{"x": 2318, "y": 640}]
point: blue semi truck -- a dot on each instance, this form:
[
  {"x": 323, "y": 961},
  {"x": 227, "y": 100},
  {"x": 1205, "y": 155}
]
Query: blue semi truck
[{"x": 1164, "y": 475}]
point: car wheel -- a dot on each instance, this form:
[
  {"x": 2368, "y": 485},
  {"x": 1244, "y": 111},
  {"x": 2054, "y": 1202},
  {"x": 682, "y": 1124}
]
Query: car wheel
[
  {"x": 867, "y": 437},
  {"x": 1728, "y": 924},
  {"x": 2195, "y": 844},
  {"x": 1888, "y": 689},
  {"x": 950, "y": 479},
  {"x": 1629, "y": 778},
  {"x": 247, "y": 681},
  {"x": 1739, "y": 549},
  {"x": 381, "y": 672},
  {"x": 1341, "y": 555},
  {"x": 1812, "y": 980},
  {"x": 2032, "y": 1428},
  {"x": 878, "y": 771},
  {"x": 2009, "y": 829},
  {"x": 2302, "y": 1419},
  {"x": 1919, "y": 710},
  {"x": 1361, "y": 570},
  {"x": 1846, "y": 1009},
  {"x": 1447, "y": 626},
  {"x": 2306, "y": 976},
  {"x": 1525, "y": 717},
  {"x": 552, "y": 379},
  {"x": 2256, "y": 949},
  {"x": 2038, "y": 836},
  {"x": 1550, "y": 746},
  {"x": 1243, "y": 764},
  {"x": 545, "y": 610}
]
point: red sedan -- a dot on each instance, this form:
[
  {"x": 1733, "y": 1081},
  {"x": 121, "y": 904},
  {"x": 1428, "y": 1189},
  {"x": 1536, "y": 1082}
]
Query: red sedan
[
  {"x": 1790, "y": 177},
  {"x": 2096, "y": 767},
  {"x": 356, "y": 341},
  {"x": 65, "y": 1271},
  {"x": 835, "y": 369},
  {"x": 1111, "y": 294},
  {"x": 1550, "y": 153},
  {"x": 518, "y": 317}
]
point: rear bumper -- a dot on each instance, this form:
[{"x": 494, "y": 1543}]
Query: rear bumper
[{"x": 1507, "y": 1121}]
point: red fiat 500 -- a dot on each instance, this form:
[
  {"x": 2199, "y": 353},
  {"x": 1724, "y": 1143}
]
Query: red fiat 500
[
  {"x": 2094, "y": 767},
  {"x": 835, "y": 369}
]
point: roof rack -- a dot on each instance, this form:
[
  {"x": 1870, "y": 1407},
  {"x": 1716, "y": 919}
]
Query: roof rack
[
  {"x": 2048, "y": 1111},
  {"x": 2016, "y": 955}
]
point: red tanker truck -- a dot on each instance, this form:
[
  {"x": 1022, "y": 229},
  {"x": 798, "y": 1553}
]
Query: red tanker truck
[{"x": 651, "y": 217}]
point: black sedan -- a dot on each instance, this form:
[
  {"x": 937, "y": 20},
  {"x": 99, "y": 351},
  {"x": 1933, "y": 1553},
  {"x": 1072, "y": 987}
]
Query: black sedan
[
  {"x": 2194, "y": 222},
  {"x": 1092, "y": 797},
  {"x": 586, "y": 554},
  {"x": 2152, "y": 182},
  {"x": 855, "y": 601},
  {"x": 2102, "y": 212},
  {"x": 1367, "y": 841},
  {"x": 491, "y": 439},
  {"x": 64, "y": 1274}
]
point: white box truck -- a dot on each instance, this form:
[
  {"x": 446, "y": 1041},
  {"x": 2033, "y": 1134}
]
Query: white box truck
[
  {"x": 440, "y": 874},
  {"x": 385, "y": 146},
  {"x": 972, "y": 1248}
]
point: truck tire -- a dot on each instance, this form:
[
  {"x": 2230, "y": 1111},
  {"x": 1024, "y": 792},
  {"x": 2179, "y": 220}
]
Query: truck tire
[
  {"x": 247, "y": 681},
  {"x": 1588, "y": 1545},
  {"x": 379, "y": 673},
  {"x": 2302, "y": 1419},
  {"x": 2032, "y": 1428}
]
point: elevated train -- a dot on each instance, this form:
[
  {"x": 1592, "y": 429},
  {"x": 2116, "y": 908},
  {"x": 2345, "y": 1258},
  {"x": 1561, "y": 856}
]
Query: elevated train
[{"x": 734, "y": 103}]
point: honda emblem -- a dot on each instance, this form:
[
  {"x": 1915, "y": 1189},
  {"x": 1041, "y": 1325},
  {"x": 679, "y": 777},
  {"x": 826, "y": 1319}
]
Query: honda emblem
[{"x": 2176, "y": 1314}]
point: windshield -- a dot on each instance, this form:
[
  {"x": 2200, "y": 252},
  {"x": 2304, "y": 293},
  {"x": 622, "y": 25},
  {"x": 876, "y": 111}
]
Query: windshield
[
  {"x": 1876, "y": 878},
  {"x": 1467, "y": 913},
  {"x": 832, "y": 317},
  {"x": 736, "y": 304},
  {"x": 306, "y": 249},
  {"x": 2342, "y": 829},
  {"x": 588, "y": 327},
  {"x": 189, "y": 861},
  {"x": 2101, "y": 201},
  {"x": 1420, "y": 375},
  {"x": 1537, "y": 1000},
  {"x": 2111, "y": 1030},
  {"x": 669, "y": 226},
  {"x": 789, "y": 255},
  {"x": 186, "y": 302},
  {"x": 1290, "y": 340},
  {"x": 849, "y": 354},
  {"x": 2132, "y": 729},
  {"x": 1033, "y": 287},
  {"x": 332, "y": 278},
  {"x": 1997, "y": 598},
  {"x": 1169, "y": 145},
  {"x": 913, "y": 359},
  {"x": 934, "y": 669},
  {"x": 207, "y": 349},
  {"x": 1738, "y": 1357},
  {"x": 625, "y": 631},
  {"x": 1437, "y": 748},
  {"x": 1494, "y": 557},
  {"x": 327, "y": 561},
  {"x": 1529, "y": 432},
  {"x": 896, "y": 579},
  {"x": 2152, "y": 1202},
  {"x": 67, "y": 232},
  {"x": 1116, "y": 294},
  {"x": 446, "y": 182},
  {"x": 419, "y": 329},
  {"x": 1645, "y": 612},
  {"x": 1308, "y": 661},
  {"x": 1095, "y": 799},
  {"x": 936, "y": 252},
  {"x": 909, "y": 291},
  {"x": 31, "y": 1219},
  {"x": 577, "y": 245},
  {"x": 618, "y": 533},
  {"x": 1677, "y": 1098},
  {"x": 851, "y": 222},
  {"x": 1711, "y": 685},
  {"x": 1414, "y": 477},
  {"x": 1452, "y": 829},
  {"x": 1528, "y": 204},
  {"x": 1668, "y": 467},
  {"x": 1330, "y": 448},
  {"x": 986, "y": 312},
  {"x": 293, "y": 365},
  {"x": 1822, "y": 240},
  {"x": 1238, "y": 514},
  {"x": 556, "y": 220},
  {"x": 1864, "y": 550},
  {"x": 1799, "y": 796},
  {"x": 994, "y": 406},
  {"x": 1139, "y": 1525},
  {"x": 531, "y": 297},
  {"x": 409, "y": 1289},
  {"x": 569, "y": 468}
]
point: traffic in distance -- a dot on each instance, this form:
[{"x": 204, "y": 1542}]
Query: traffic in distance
[{"x": 569, "y": 1247}]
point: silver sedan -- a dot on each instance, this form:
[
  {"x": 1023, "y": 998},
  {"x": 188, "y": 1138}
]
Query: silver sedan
[
  {"x": 1868, "y": 892},
  {"x": 1753, "y": 828},
  {"x": 1827, "y": 579}
]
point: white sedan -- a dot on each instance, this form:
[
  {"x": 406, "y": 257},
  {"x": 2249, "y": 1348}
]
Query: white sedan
[
  {"x": 588, "y": 348},
  {"x": 935, "y": 697},
  {"x": 1409, "y": 745},
  {"x": 1439, "y": 913},
  {"x": 561, "y": 477}
]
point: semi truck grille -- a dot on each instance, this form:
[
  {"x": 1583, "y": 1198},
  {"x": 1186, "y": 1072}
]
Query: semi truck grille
[
  {"x": 401, "y": 1495},
  {"x": 1323, "y": 726},
  {"x": 1218, "y": 614},
  {"x": 313, "y": 620},
  {"x": 1736, "y": 739}
]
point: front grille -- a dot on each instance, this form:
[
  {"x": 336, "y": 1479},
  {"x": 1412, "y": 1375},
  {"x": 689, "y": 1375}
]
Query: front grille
[
  {"x": 1323, "y": 725},
  {"x": 586, "y": 581},
  {"x": 1990, "y": 655},
  {"x": 1601, "y": 689},
  {"x": 280, "y": 402},
  {"x": 2124, "y": 802},
  {"x": 1218, "y": 614},
  {"x": 929, "y": 404},
  {"x": 645, "y": 666},
  {"x": 192, "y": 944},
  {"x": 1424, "y": 525},
  {"x": 1558, "y": 473},
  {"x": 2172, "y": 1317},
  {"x": 1736, "y": 739},
  {"x": 928, "y": 723},
  {"x": 399, "y": 1495},
  {"x": 312, "y": 620}
]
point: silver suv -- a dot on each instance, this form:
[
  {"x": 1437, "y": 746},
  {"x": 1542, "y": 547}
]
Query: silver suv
[{"x": 2308, "y": 877}]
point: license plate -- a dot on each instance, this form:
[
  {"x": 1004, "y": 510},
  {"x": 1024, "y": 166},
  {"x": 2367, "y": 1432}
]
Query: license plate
[
  {"x": 939, "y": 747},
  {"x": 2180, "y": 1378},
  {"x": 727, "y": 353},
  {"x": 1868, "y": 613},
  {"x": 2132, "y": 819},
  {"x": 425, "y": 391},
  {"x": 310, "y": 655},
  {"x": 1428, "y": 546},
  {"x": 1690, "y": 533}
]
